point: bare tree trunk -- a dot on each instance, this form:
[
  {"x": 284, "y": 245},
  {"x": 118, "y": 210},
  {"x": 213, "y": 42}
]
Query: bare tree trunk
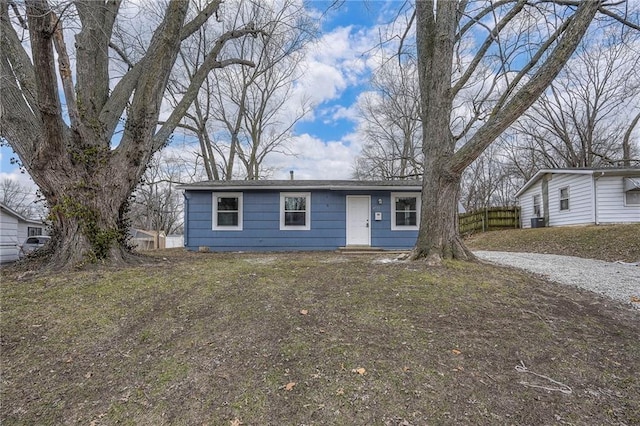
[
  {"x": 438, "y": 237},
  {"x": 86, "y": 182},
  {"x": 87, "y": 211},
  {"x": 436, "y": 26}
]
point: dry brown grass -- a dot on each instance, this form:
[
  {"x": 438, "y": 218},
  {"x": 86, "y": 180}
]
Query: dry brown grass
[
  {"x": 610, "y": 243},
  {"x": 216, "y": 338}
]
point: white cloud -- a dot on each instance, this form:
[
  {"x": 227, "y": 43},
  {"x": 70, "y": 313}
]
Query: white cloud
[
  {"x": 321, "y": 82},
  {"x": 22, "y": 178},
  {"x": 316, "y": 159},
  {"x": 345, "y": 113},
  {"x": 336, "y": 61}
]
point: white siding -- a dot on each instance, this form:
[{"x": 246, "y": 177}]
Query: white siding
[
  {"x": 580, "y": 200},
  {"x": 526, "y": 204},
  {"x": 8, "y": 237},
  {"x": 23, "y": 229},
  {"x": 173, "y": 241},
  {"x": 610, "y": 199}
]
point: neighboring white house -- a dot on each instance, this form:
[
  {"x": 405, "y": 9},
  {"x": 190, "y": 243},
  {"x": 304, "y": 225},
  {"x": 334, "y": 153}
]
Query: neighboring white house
[
  {"x": 174, "y": 241},
  {"x": 150, "y": 240},
  {"x": 558, "y": 197},
  {"x": 14, "y": 230}
]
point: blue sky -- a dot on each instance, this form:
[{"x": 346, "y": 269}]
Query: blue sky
[{"x": 326, "y": 142}]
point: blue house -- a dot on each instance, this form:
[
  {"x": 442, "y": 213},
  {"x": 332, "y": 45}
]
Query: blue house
[{"x": 288, "y": 215}]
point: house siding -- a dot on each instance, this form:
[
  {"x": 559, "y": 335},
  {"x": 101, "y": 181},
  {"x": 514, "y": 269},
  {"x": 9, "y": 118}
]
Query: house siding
[
  {"x": 526, "y": 204},
  {"x": 580, "y": 200},
  {"x": 596, "y": 196},
  {"x": 261, "y": 223},
  {"x": 23, "y": 229},
  {"x": 611, "y": 206},
  {"x": 8, "y": 237}
]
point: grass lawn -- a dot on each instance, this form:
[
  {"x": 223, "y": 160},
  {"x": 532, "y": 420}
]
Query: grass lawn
[
  {"x": 605, "y": 242},
  {"x": 313, "y": 339}
]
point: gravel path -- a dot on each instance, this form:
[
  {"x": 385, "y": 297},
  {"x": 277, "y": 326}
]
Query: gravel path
[{"x": 617, "y": 281}]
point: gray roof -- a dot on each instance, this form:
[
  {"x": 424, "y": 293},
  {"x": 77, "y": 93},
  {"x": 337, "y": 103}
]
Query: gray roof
[
  {"x": 333, "y": 185},
  {"x": 19, "y": 216},
  {"x": 613, "y": 171}
]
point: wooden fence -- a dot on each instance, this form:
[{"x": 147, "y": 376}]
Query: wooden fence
[{"x": 489, "y": 219}]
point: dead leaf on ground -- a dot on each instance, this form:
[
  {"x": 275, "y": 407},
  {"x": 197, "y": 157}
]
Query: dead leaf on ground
[
  {"x": 289, "y": 386},
  {"x": 340, "y": 391},
  {"x": 455, "y": 352},
  {"x": 304, "y": 312},
  {"x": 360, "y": 371},
  {"x": 236, "y": 422}
]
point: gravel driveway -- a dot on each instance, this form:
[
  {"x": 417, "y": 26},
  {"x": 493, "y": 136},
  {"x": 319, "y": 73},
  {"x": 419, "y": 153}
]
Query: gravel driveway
[{"x": 617, "y": 281}]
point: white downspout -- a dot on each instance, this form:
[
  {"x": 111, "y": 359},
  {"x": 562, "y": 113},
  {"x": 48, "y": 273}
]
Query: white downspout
[{"x": 594, "y": 179}]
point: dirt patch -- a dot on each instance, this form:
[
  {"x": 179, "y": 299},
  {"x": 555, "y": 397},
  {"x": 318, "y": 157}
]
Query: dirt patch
[{"x": 307, "y": 339}]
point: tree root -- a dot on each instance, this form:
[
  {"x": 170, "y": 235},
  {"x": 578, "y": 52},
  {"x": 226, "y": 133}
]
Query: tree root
[{"x": 434, "y": 256}]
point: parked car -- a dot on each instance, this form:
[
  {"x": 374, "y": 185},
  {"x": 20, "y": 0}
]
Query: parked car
[{"x": 32, "y": 244}]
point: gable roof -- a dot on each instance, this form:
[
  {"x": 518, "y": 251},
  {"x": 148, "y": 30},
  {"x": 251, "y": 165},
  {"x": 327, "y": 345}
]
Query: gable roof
[
  {"x": 630, "y": 171},
  {"x": 18, "y": 215},
  {"x": 332, "y": 185}
]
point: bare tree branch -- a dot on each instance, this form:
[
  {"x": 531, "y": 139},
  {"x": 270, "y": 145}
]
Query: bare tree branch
[{"x": 501, "y": 119}]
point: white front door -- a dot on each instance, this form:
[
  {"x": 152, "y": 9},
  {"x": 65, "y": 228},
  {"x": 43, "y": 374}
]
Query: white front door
[{"x": 358, "y": 218}]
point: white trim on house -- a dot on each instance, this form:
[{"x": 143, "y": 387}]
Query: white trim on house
[
  {"x": 354, "y": 214},
  {"x": 305, "y": 185},
  {"x": 307, "y": 211},
  {"x": 214, "y": 220},
  {"x": 632, "y": 172},
  {"x": 394, "y": 225},
  {"x": 596, "y": 196}
]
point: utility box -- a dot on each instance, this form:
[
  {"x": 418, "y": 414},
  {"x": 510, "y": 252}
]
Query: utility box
[{"x": 537, "y": 222}]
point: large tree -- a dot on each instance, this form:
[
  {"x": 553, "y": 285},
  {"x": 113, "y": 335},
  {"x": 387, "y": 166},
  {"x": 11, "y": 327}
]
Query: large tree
[
  {"x": 481, "y": 66},
  {"x": 242, "y": 114},
  {"x": 66, "y": 141},
  {"x": 390, "y": 124},
  {"x": 588, "y": 114}
]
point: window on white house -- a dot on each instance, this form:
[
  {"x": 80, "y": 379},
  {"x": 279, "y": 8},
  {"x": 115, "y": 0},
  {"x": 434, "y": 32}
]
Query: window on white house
[
  {"x": 406, "y": 211},
  {"x": 295, "y": 211},
  {"x": 537, "y": 209},
  {"x": 632, "y": 197},
  {"x": 564, "y": 198},
  {"x": 33, "y": 231},
  {"x": 227, "y": 211},
  {"x": 631, "y": 191}
]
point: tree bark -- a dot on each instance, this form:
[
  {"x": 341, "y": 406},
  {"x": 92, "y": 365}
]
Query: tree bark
[
  {"x": 436, "y": 25},
  {"x": 86, "y": 183},
  {"x": 438, "y": 237}
]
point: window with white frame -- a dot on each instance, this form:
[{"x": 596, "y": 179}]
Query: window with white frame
[
  {"x": 227, "y": 211},
  {"x": 405, "y": 213},
  {"x": 564, "y": 198},
  {"x": 295, "y": 210},
  {"x": 537, "y": 209}
]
